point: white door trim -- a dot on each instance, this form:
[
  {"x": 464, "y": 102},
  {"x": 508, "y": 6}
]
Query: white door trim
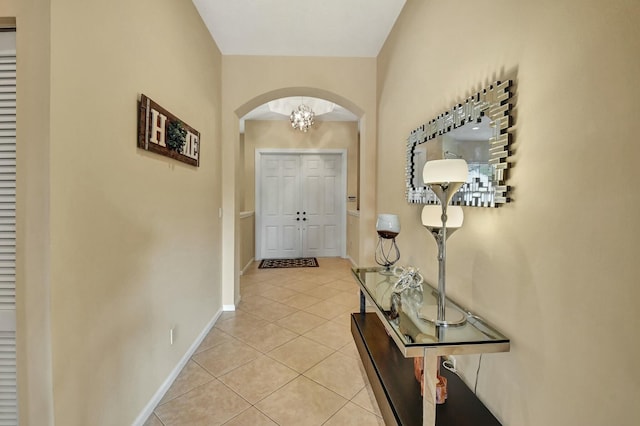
[{"x": 300, "y": 151}]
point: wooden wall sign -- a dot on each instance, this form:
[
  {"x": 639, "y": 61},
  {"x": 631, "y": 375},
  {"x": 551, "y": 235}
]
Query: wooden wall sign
[{"x": 161, "y": 132}]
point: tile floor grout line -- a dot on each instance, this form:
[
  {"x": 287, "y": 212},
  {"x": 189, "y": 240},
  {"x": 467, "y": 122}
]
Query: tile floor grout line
[
  {"x": 324, "y": 386},
  {"x": 186, "y": 392},
  {"x": 301, "y": 374},
  {"x": 337, "y": 411},
  {"x": 261, "y": 399},
  {"x": 266, "y": 415}
]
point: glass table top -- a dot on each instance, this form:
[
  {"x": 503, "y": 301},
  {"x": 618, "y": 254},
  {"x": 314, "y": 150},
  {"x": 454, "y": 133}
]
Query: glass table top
[{"x": 413, "y": 331}]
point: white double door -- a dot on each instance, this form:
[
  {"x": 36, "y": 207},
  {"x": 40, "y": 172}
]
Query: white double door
[{"x": 302, "y": 206}]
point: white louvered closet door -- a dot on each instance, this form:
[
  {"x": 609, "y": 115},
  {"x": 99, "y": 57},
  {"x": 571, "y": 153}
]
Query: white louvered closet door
[{"x": 8, "y": 396}]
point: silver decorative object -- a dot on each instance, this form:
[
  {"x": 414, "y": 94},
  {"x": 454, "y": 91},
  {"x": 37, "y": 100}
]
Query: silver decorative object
[
  {"x": 387, "y": 252},
  {"x": 408, "y": 278},
  {"x": 408, "y": 287}
]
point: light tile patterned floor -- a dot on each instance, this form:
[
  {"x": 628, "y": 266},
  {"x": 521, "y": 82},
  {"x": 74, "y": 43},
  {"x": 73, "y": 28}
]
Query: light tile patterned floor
[{"x": 284, "y": 357}]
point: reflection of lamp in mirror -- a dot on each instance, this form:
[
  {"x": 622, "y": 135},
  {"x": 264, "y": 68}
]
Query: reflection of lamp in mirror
[
  {"x": 387, "y": 252},
  {"x": 444, "y": 177}
]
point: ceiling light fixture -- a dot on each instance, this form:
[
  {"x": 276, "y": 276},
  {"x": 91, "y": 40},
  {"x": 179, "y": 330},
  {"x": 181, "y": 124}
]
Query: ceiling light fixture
[{"x": 302, "y": 117}]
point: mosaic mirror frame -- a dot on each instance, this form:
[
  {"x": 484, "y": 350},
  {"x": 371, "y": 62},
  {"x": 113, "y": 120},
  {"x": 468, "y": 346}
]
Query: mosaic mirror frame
[{"x": 476, "y": 130}]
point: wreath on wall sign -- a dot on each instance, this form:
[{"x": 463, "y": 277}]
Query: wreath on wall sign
[{"x": 176, "y": 136}]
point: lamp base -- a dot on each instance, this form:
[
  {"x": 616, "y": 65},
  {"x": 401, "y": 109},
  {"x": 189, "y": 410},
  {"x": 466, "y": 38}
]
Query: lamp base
[
  {"x": 453, "y": 317},
  {"x": 387, "y": 270},
  {"x": 387, "y": 256}
]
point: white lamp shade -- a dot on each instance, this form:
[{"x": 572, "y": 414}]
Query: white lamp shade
[
  {"x": 449, "y": 170},
  {"x": 432, "y": 217},
  {"x": 388, "y": 225}
]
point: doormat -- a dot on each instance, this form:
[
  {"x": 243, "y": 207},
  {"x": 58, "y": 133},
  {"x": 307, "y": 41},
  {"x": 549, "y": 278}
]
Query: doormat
[{"x": 302, "y": 262}]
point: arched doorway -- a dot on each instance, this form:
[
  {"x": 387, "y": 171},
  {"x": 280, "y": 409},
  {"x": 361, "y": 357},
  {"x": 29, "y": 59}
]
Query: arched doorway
[
  {"x": 233, "y": 189},
  {"x": 297, "y": 184}
]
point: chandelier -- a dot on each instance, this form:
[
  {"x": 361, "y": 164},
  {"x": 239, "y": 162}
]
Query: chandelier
[{"x": 302, "y": 118}]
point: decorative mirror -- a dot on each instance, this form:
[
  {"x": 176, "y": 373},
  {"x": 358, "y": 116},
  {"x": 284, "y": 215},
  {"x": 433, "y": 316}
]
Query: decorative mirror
[{"x": 476, "y": 131}]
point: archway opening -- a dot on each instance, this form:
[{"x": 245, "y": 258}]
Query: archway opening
[{"x": 264, "y": 124}]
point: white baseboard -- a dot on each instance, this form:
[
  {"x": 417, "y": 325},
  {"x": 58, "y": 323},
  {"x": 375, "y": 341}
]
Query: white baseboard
[
  {"x": 228, "y": 308},
  {"x": 157, "y": 397},
  {"x": 351, "y": 260},
  {"x": 247, "y": 266}
]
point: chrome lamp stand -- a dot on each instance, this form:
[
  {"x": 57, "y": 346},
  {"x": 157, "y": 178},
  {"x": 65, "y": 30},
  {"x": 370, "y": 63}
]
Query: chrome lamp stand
[
  {"x": 444, "y": 177},
  {"x": 441, "y": 230}
]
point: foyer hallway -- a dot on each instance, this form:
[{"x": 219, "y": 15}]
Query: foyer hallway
[{"x": 284, "y": 357}]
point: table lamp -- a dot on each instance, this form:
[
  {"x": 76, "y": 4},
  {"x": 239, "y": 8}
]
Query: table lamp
[{"x": 444, "y": 177}]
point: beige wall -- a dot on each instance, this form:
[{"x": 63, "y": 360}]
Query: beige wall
[
  {"x": 251, "y": 81},
  {"x": 556, "y": 269},
  {"x": 119, "y": 244}
]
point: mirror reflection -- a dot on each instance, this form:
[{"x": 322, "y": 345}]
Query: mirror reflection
[{"x": 476, "y": 131}]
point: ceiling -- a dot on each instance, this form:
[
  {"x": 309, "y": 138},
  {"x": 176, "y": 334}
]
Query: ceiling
[
  {"x": 334, "y": 28},
  {"x": 344, "y": 28}
]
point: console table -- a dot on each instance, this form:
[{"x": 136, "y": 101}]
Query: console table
[{"x": 388, "y": 345}]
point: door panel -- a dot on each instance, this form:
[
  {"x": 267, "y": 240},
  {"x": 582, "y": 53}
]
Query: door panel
[
  {"x": 331, "y": 237},
  {"x": 313, "y": 240},
  {"x": 270, "y": 203},
  {"x": 271, "y": 233},
  {"x": 321, "y": 191},
  {"x": 280, "y": 199},
  {"x": 291, "y": 237},
  {"x": 311, "y": 196},
  {"x": 329, "y": 195}
]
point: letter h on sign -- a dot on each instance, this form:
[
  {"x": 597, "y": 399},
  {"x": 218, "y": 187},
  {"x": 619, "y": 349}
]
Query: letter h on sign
[
  {"x": 158, "y": 124},
  {"x": 153, "y": 122}
]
